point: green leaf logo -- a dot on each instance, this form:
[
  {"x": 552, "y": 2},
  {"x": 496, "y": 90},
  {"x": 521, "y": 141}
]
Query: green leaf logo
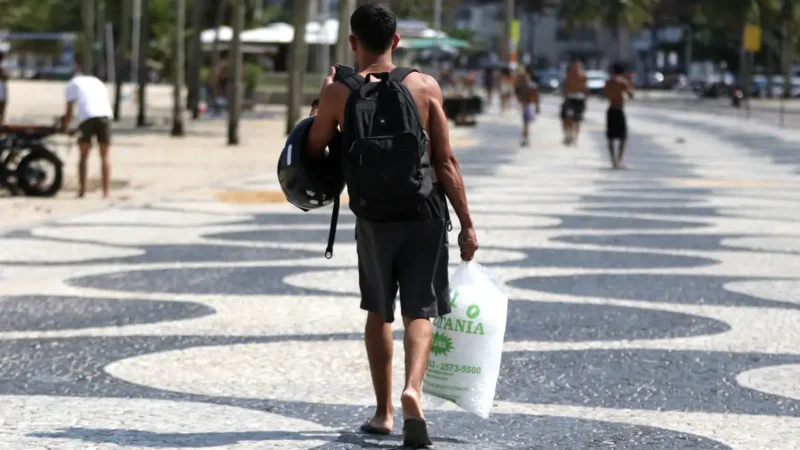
[
  {"x": 453, "y": 301},
  {"x": 473, "y": 311},
  {"x": 441, "y": 345}
]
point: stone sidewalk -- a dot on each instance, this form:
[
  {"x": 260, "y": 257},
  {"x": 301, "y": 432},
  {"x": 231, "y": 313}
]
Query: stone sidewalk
[{"x": 655, "y": 308}]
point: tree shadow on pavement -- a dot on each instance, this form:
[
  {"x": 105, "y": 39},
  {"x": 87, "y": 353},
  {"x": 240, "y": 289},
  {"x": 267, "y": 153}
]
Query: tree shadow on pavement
[
  {"x": 181, "y": 440},
  {"x": 202, "y": 440}
]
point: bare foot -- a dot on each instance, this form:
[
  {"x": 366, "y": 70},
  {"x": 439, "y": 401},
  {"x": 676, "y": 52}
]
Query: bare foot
[
  {"x": 412, "y": 408},
  {"x": 81, "y": 194},
  {"x": 380, "y": 423},
  {"x": 621, "y": 165}
]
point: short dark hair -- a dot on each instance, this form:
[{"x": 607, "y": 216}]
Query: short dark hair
[
  {"x": 618, "y": 69},
  {"x": 374, "y": 25}
]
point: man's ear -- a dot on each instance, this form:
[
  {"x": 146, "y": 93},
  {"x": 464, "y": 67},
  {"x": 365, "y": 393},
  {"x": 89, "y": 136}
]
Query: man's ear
[
  {"x": 395, "y": 41},
  {"x": 353, "y": 42}
]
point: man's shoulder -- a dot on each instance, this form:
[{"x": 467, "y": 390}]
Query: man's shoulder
[{"x": 425, "y": 82}]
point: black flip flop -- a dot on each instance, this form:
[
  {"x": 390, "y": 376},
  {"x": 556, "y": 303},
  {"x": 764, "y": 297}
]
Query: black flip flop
[
  {"x": 415, "y": 434},
  {"x": 368, "y": 428}
]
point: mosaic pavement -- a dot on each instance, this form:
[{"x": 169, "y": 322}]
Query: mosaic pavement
[{"x": 657, "y": 308}]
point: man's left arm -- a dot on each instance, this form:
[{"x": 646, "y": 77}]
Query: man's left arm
[
  {"x": 324, "y": 127},
  {"x": 69, "y": 112},
  {"x": 629, "y": 89}
]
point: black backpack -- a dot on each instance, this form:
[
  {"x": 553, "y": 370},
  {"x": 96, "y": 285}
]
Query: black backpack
[
  {"x": 385, "y": 162},
  {"x": 385, "y": 159}
]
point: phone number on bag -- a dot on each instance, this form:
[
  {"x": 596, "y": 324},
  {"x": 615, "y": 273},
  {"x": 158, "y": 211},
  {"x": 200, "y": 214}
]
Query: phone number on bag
[{"x": 444, "y": 367}]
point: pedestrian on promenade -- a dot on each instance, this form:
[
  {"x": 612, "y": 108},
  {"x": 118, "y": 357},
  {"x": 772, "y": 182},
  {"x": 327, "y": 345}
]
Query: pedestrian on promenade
[
  {"x": 3, "y": 89},
  {"x": 576, "y": 92},
  {"x": 386, "y": 114},
  {"x": 616, "y": 127},
  {"x": 89, "y": 95},
  {"x": 506, "y": 88},
  {"x": 527, "y": 92}
]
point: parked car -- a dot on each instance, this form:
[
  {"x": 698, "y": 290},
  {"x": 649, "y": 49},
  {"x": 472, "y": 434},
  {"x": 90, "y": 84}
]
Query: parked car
[
  {"x": 549, "y": 80},
  {"x": 596, "y": 81}
]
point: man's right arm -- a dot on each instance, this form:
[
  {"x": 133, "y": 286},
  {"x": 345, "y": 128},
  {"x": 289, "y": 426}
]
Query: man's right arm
[{"x": 443, "y": 158}]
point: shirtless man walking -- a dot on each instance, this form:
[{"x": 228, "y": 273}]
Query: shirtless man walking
[
  {"x": 616, "y": 127},
  {"x": 527, "y": 91},
  {"x": 407, "y": 249},
  {"x": 576, "y": 92}
]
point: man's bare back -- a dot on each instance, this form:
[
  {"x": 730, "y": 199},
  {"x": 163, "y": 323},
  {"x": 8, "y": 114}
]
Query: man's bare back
[
  {"x": 575, "y": 85},
  {"x": 616, "y": 88}
]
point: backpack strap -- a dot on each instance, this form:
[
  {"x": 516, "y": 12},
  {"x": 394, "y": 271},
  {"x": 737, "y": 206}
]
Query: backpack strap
[
  {"x": 400, "y": 73},
  {"x": 354, "y": 82},
  {"x": 332, "y": 232}
]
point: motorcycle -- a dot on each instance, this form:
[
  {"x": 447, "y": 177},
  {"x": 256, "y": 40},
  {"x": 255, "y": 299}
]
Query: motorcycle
[{"x": 27, "y": 165}]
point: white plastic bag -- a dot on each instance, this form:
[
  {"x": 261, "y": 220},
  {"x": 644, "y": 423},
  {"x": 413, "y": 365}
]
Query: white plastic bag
[{"x": 468, "y": 343}]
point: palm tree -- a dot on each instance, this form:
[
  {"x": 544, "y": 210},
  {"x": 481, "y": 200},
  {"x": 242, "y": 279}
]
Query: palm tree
[
  {"x": 177, "y": 68},
  {"x": 144, "y": 46},
  {"x": 88, "y": 36},
  {"x": 615, "y": 15},
  {"x": 298, "y": 62},
  {"x": 195, "y": 57},
  {"x": 122, "y": 53},
  {"x": 235, "y": 78},
  {"x": 343, "y": 53}
]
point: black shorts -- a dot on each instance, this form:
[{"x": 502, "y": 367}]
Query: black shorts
[
  {"x": 409, "y": 255},
  {"x": 616, "y": 125},
  {"x": 96, "y": 127},
  {"x": 573, "y": 109}
]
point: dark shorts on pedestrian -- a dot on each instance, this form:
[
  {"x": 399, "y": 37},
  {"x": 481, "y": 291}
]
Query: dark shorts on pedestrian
[
  {"x": 616, "y": 125},
  {"x": 573, "y": 109},
  {"x": 96, "y": 127},
  {"x": 409, "y": 255}
]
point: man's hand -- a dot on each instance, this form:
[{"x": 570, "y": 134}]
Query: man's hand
[
  {"x": 328, "y": 80},
  {"x": 468, "y": 243},
  {"x": 325, "y": 83},
  {"x": 64, "y": 124}
]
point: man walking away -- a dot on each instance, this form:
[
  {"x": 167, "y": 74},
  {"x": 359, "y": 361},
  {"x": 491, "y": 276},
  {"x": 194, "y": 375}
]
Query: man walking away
[
  {"x": 527, "y": 91},
  {"x": 616, "y": 127},
  {"x": 90, "y": 96},
  {"x": 576, "y": 92},
  {"x": 397, "y": 181}
]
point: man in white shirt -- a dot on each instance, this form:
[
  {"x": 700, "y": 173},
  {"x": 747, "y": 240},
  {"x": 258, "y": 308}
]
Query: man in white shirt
[{"x": 90, "y": 96}]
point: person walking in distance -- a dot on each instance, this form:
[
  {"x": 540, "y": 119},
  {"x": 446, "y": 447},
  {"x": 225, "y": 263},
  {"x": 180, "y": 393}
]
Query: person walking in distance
[
  {"x": 400, "y": 172},
  {"x": 616, "y": 127},
  {"x": 576, "y": 92},
  {"x": 527, "y": 92},
  {"x": 506, "y": 88},
  {"x": 3, "y": 89},
  {"x": 89, "y": 95}
]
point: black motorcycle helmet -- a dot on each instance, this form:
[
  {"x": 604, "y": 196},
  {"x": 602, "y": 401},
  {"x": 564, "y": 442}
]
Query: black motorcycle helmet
[{"x": 308, "y": 183}]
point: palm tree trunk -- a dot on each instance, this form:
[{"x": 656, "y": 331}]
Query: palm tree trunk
[
  {"x": 177, "y": 69},
  {"x": 195, "y": 58},
  {"x": 298, "y": 63},
  {"x": 88, "y": 36},
  {"x": 220, "y": 17},
  {"x": 235, "y": 78},
  {"x": 787, "y": 15},
  {"x": 344, "y": 55},
  {"x": 144, "y": 46},
  {"x": 122, "y": 55}
]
